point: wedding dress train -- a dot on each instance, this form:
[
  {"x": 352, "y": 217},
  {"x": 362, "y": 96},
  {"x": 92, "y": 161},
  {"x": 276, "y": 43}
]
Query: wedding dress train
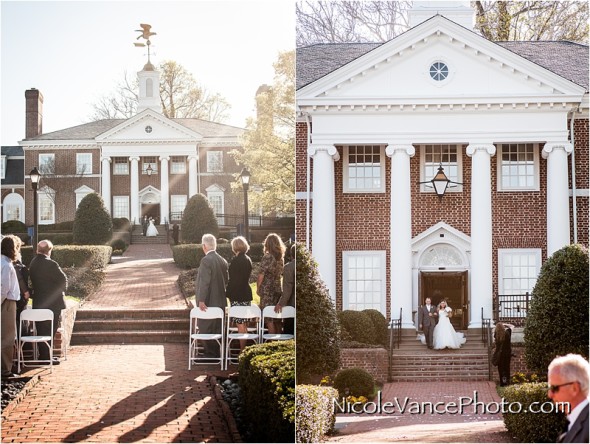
[
  {"x": 152, "y": 231},
  {"x": 444, "y": 335}
]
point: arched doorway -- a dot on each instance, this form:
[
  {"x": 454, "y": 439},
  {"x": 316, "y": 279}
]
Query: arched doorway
[{"x": 149, "y": 201}]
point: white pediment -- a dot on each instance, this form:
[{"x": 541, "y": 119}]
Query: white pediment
[
  {"x": 149, "y": 127},
  {"x": 441, "y": 242},
  {"x": 479, "y": 71},
  {"x": 215, "y": 188},
  {"x": 84, "y": 189}
]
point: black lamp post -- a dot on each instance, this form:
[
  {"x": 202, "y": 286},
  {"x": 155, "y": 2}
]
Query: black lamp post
[
  {"x": 245, "y": 174},
  {"x": 35, "y": 177},
  {"x": 440, "y": 182}
]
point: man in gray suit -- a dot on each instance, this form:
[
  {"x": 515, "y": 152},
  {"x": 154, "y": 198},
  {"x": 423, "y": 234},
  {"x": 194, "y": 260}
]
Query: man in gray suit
[
  {"x": 210, "y": 286},
  {"x": 568, "y": 378},
  {"x": 427, "y": 320}
]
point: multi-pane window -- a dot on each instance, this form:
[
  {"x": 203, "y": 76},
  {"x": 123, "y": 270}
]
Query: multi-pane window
[
  {"x": 177, "y": 203},
  {"x": 177, "y": 165},
  {"x": 518, "y": 270},
  {"x": 364, "y": 280},
  {"x": 121, "y": 206},
  {"x": 447, "y": 156},
  {"x": 214, "y": 161},
  {"x": 121, "y": 165},
  {"x": 517, "y": 164},
  {"x": 364, "y": 169},
  {"x": 84, "y": 163},
  {"x": 216, "y": 200},
  {"x": 13, "y": 207},
  {"x": 3, "y": 167},
  {"x": 47, "y": 163},
  {"x": 149, "y": 161},
  {"x": 46, "y": 206}
]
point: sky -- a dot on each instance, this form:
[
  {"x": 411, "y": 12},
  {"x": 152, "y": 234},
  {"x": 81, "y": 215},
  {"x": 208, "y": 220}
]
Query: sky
[{"x": 75, "y": 52}]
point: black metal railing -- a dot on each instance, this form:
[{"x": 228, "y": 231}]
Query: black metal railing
[
  {"x": 511, "y": 308},
  {"x": 487, "y": 338},
  {"x": 395, "y": 338}
]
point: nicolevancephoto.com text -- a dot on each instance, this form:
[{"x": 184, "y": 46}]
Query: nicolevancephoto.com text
[{"x": 463, "y": 405}]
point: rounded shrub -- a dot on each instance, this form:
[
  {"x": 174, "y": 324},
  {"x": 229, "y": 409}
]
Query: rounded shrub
[
  {"x": 379, "y": 327},
  {"x": 121, "y": 224},
  {"x": 357, "y": 326},
  {"x": 558, "y": 309},
  {"x": 198, "y": 218},
  {"x": 315, "y": 416},
  {"x": 93, "y": 224},
  {"x": 318, "y": 330},
  {"x": 118, "y": 244},
  {"x": 354, "y": 382},
  {"x": 526, "y": 425}
]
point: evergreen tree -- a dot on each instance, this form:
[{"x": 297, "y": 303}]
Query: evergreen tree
[
  {"x": 198, "y": 218},
  {"x": 92, "y": 224}
]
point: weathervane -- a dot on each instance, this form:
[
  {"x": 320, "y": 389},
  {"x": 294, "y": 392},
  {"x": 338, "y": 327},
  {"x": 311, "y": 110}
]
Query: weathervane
[{"x": 145, "y": 34}]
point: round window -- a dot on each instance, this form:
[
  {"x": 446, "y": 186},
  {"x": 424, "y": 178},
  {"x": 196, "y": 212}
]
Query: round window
[
  {"x": 439, "y": 71},
  {"x": 148, "y": 129}
]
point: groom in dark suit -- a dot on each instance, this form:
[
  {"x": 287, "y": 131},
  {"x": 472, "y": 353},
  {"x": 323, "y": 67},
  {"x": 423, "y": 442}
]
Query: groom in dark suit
[
  {"x": 427, "y": 319},
  {"x": 210, "y": 286}
]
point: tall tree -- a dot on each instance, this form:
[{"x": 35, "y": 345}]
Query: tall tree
[
  {"x": 269, "y": 142},
  {"x": 375, "y": 21},
  {"x": 180, "y": 94}
]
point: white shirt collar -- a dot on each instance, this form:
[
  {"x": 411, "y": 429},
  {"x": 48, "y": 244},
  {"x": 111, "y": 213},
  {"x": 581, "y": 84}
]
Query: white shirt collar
[{"x": 573, "y": 416}]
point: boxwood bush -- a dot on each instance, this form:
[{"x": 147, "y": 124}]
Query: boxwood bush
[
  {"x": 198, "y": 218},
  {"x": 267, "y": 383},
  {"x": 95, "y": 257},
  {"x": 558, "y": 309},
  {"x": 528, "y": 426},
  {"x": 315, "y": 416},
  {"x": 13, "y": 226},
  {"x": 121, "y": 224},
  {"x": 354, "y": 382},
  {"x": 357, "y": 326},
  {"x": 379, "y": 327},
  {"x": 82, "y": 282},
  {"x": 93, "y": 224}
]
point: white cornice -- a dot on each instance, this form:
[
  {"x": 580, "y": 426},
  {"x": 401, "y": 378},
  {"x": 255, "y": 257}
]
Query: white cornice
[{"x": 57, "y": 144}]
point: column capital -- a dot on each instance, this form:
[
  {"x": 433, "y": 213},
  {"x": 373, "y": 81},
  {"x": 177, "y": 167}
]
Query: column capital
[
  {"x": 401, "y": 147},
  {"x": 552, "y": 146},
  {"x": 107, "y": 158},
  {"x": 192, "y": 157},
  {"x": 329, "y": 149},
  {"x": 472, "y": 148},
  {"x": 134, "y": 158},
  {"x": 162, "y": 158}
]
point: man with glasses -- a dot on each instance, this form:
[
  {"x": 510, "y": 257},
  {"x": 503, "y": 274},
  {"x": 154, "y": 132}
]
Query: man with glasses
[{"x": 568, "y": 378}]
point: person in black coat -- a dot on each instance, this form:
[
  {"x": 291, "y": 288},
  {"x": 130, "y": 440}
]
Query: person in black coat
[
  {"x": 49, "y": 286},
  {"x": 238, "y": 289},
  {"x": 22, "y": 273},
  {"x": 503, "y": 351}
]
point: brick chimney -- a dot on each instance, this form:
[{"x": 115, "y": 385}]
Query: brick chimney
[{"x": 33, "y": 113}]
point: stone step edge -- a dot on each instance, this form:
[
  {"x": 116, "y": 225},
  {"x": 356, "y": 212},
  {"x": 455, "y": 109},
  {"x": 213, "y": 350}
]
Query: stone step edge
[{"x": 132, "y": 333}]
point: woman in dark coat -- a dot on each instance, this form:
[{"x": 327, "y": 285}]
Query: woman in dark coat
[
  {"x": 503, "y": 351},
  {"x": 238, "y": 289}
]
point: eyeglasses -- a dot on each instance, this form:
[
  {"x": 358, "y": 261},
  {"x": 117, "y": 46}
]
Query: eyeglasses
[{"x": 555, "y": 388}]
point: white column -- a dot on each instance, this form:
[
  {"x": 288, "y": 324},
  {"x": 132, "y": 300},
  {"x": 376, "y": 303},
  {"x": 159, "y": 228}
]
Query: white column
[
  {"x": 106, "y": 182},
  {"x": 324, "y": 213},
  {"x": 164, "y": 189},
  {"x": 558, "y": 213},
  {"x": 134, "y": 189},
  {"x": 481, "y": 232},
  {"x": 192, "y": 175},
  {"x": 401, "y": 232}
]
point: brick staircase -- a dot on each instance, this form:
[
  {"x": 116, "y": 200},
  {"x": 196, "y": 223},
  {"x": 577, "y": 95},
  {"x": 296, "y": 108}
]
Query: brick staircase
[
  {"x": 412, "y": 361},
  {"x": 137, "y": 236},
  {"x": 137, "y": 326}
]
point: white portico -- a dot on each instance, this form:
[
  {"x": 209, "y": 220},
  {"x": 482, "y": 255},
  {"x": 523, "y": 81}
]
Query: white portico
[{"x": 438, "y": 84}]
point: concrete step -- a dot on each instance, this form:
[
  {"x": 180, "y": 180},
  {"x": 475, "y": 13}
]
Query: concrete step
[
  {"x": 89, "y": 325},
  {"x": 145, "y": 313},
  {"x": 130, "y": 337}
]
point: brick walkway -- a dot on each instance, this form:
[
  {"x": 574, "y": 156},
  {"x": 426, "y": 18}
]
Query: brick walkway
[
  {"x": 124, "y": 393},
  {"x": 415, "y": 426}
]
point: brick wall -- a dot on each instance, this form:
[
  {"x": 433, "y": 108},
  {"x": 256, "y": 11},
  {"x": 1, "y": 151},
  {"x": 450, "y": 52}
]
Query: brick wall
[{"x": 373, "y": 360}]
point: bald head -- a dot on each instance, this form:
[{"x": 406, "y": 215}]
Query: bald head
[{"x": 44, "y": 247}]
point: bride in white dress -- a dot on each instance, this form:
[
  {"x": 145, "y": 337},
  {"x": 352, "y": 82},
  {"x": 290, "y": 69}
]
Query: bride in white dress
[
  {"x": 152, "y": 231},
  {"x": 444, "y": 335}
]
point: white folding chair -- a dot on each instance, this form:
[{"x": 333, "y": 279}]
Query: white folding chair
[
  {"x": 194, "y": 347},
  {"x": 250, "y": 313},
  {"x": 33, "y": 316},
  {"x": 269, "y": 313}
]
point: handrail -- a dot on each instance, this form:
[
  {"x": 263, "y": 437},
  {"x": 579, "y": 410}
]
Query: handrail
[
  {"x": 395, "y": 338},
  {"x": 486, "y": 337}
]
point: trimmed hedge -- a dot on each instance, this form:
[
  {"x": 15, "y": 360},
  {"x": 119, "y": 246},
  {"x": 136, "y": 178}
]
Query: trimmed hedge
[
  {"x": 82, "y": 282},
  {"x": 198, "y": 218},
  {"x": 357, "y": 326},
  {"x": 379, "y": 327},
  {"x": 95, "y": 257},
  {"x": 267, "y": 383},
  {"x": 93, "y": 224},
  {"x": 558, "y": 309},
  {"x": 354, "y": 382},
  {"x": 190, "y": 255},
  {"x": 13, "y": 226},
  {"x": 58, "y": 238},
  {"x": 528, "y": 426},
  {"x": 315, "y": 416},
  {"x": 121, "y": 224}
]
